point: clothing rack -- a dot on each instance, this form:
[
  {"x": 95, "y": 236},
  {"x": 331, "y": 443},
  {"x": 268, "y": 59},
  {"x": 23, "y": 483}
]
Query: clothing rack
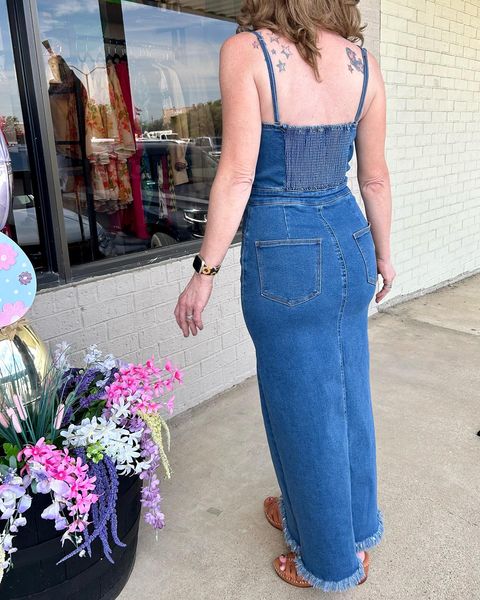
[
  {"x": 167, "y": 52},
  {"x": 114, "y": 42},
  {"x": 87, "y": 74}
]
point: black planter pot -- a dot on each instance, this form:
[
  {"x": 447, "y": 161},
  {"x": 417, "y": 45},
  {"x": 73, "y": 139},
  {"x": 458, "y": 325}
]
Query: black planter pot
[{"x": 35, "y": 575}]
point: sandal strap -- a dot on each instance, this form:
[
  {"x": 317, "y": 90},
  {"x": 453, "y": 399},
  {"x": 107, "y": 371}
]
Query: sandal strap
[{"x": 289, "y": 569}]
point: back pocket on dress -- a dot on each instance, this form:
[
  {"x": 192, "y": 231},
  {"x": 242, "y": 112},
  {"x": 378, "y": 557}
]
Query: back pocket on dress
[
  {"x": 364, "y": 240},
  {"x": 290, "y": 269}
]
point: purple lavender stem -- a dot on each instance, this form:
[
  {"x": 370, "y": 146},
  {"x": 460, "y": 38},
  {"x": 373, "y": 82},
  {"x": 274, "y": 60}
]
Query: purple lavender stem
[{"x": 106, "y": 487}]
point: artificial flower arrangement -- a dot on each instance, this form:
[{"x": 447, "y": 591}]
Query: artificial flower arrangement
[{"x": 84, "y": 427}]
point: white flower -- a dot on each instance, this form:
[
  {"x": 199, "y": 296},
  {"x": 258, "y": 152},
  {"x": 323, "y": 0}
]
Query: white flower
[
  {"x": 96, "y": 429},
  {"x": 52, "y": 511},
  {"x": 121, "y": 409},
  {"x": 120, "y": 444},
  {"x": 143, "y": 466},
  {"x": 92, "y": 355},
  {"x": 60, "y": 359},
  {"x": 6, "y": 542},
  {"x": 108, "y": 363}
]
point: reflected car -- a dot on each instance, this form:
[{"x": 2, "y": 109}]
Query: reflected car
[
  {"x": 182, "y": 215},
  {"x": 77, "y": 228},
  {"x": 211, "y": 144}
]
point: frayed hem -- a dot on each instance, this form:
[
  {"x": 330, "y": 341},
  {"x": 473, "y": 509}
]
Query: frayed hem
[
  {"x": 374, "y": 539},
  {"x": 330, "y": 586},
  {"x": 289, "y": 540}
]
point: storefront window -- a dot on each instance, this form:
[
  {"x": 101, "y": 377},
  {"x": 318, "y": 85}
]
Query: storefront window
[
  {"x": 135, "y": 103},
  {"x": 24, "y": 221}
]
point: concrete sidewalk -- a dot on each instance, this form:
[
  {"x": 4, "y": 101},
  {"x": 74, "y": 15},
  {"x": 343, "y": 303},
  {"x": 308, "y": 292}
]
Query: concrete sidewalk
[{"x": 425, "y": 360}]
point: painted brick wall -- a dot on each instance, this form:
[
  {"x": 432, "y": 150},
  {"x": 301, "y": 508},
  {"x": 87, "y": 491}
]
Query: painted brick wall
[
  {"x": 131, "y": 314},
  {"x": 430, "y": 58}
]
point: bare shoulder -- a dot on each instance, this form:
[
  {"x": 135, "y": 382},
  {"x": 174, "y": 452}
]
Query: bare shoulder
[
  {"x": 374, "y": 70},
  {"x": 238, "y": 44}
]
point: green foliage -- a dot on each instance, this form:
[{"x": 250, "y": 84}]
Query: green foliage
[
  {"x": 95, "y": 410},
  {"x": 8, "y": 458}
]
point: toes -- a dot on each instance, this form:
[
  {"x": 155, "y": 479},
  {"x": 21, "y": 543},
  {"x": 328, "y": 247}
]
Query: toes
[{"x": 286, "y": 568}]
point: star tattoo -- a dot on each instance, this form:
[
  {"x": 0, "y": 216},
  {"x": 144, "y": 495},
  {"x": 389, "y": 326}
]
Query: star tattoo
[
  {"x": 255, "y": 44},
  {"x": 273, "y": 51},
  {"x": 286, "y": 51},
  {"x": 274, "y": 38},
  {"x": 281, "y": 65}
]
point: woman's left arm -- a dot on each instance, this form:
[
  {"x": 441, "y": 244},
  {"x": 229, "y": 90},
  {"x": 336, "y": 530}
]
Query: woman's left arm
[{"x": 231, "y": 188}]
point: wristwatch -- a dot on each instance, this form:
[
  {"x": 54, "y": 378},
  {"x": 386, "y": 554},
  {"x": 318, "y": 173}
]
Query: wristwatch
[{"x": 201, "y": 267}]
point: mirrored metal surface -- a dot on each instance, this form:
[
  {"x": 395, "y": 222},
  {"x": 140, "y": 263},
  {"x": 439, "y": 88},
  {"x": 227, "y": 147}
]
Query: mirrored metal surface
[{"x": 24, "y": 362}]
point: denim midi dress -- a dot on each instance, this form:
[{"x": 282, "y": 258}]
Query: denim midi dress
[{"x": 308, "y": 275}]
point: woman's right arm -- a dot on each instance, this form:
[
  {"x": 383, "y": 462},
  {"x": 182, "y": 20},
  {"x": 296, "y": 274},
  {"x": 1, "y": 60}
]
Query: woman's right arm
[{"x": 373, "y": 175}]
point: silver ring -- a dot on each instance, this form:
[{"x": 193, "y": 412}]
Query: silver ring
[
  {"x": 387, "y": 285},
  {"x": 189, "y": 316}
]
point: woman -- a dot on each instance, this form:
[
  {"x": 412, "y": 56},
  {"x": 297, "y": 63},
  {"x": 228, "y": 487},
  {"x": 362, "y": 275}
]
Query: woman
[{"x": 297, "y": 93}]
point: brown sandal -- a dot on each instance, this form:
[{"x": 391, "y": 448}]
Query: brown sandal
[
  {"x": 272, "y": 511},
  {"x": 286, "y": 569},
  {"x": 366, "y": 565}
]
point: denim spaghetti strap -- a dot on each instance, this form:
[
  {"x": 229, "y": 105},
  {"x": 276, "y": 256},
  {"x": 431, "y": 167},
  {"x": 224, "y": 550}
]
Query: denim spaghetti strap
[
  {"x": 271, "y": 74},
  {"x": 273, "y": 87},
  {"x": 365, "y": 82}
]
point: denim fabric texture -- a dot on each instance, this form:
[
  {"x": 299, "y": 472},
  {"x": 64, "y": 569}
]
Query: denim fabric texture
[{"x": 308, "y": 275}]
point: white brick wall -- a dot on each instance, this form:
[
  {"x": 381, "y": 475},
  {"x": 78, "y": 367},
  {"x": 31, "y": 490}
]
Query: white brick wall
[
  {"x": 430, "y": 59},
  {"x": 131, "y": 315}
]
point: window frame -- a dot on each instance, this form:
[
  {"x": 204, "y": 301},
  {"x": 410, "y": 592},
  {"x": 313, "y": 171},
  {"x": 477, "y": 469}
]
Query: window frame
[{"x": 29, "y": 65}]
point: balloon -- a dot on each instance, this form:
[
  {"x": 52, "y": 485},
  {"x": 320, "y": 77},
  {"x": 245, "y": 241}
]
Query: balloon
[
  {"x": 6, "y": 181},
  {"x": 24, "y": 362},
  {"x": 18, "y": 282}
]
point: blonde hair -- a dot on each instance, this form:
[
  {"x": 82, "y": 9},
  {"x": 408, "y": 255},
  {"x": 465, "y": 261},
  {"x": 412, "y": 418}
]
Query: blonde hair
[{"x": 299, "y": 20}]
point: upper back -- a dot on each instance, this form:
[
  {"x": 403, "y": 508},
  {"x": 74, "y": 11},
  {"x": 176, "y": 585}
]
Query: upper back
[{"x": 301, "y": 98}]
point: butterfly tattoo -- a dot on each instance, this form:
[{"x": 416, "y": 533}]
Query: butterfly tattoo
[{"x": 355, "y": 62}]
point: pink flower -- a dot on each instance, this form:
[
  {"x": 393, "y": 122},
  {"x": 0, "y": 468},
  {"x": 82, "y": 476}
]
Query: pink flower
[
  {"x": 20, "y": 407},
  {"x": 77, "y": 525},
  {"x": 36, "y": 452},
  {"x": 64, "y": 475},
  {"x": 15, "y": 422},
  {"x": 8, "y": 256},
  {"x": 140, "y": 385},
  {"x": 12, "y": 313},
  {"x": 170, "y": 405},
  {"x": 59, "y": 416},
  {"x": 3, "y": 420}
]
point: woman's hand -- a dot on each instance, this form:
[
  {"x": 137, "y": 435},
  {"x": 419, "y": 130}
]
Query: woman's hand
[
  {"x": 386, "y": 270},
  {"x": 192, "y": 301}
]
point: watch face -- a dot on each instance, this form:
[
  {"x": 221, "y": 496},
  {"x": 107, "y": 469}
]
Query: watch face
[{"x": 197, "y": 263}]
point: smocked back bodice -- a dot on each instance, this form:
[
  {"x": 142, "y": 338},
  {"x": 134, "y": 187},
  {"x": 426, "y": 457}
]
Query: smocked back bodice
[{"x": 304, "y": 157}]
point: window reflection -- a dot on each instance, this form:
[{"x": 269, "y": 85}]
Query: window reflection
[
  {"x": 136, "y": 112},
  {"x": 24, "y": 218}
]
